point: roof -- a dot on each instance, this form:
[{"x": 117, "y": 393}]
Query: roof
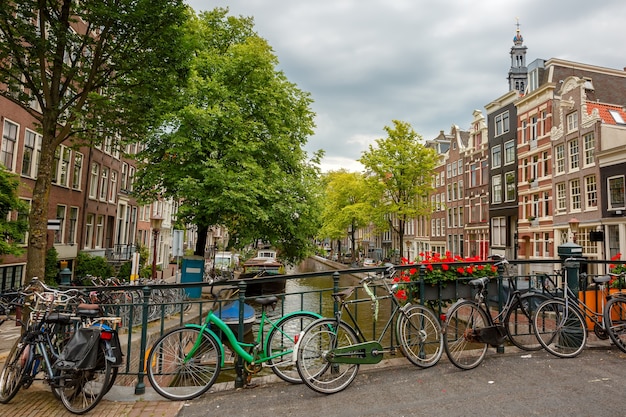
[{"x": 610, "y": 114}]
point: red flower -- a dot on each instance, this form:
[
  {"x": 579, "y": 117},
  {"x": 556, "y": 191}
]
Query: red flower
[
  {"x": 445, "y": 267},
  {"x": 470, "y": 270},
  {"x": 460, "y": 270},
  {"x": 401, "y": 295},
  {"x": 480, "y": 267},
  {"x": 429, "y": 267},
  {"x": 413, "y": 271}
]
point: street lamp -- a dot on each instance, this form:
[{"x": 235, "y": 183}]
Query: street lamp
[
  {"x": 155, "y": 224},
  {"x": 573, "y": 225}
]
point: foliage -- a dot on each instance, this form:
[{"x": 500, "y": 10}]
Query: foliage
[
  {"x": 52, "y": 267},
  {"x": 618, "y": 269},
  {"x": 99, "y": 70},
  {"x": 11, "y": 231},
  {"x": 436, "y": 269},
  {"x": 96, "y": 266},
  {"x": 124, "y": 271},
  {"x": 347, "y": 203},
  {"x": 401, "y": 170},
  {"x": 233, "y": 153}
]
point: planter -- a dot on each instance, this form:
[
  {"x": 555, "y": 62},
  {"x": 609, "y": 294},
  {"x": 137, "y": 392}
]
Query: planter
[
  {"x": 591, "y": 298},
  {"x": 450, "y": 291}
]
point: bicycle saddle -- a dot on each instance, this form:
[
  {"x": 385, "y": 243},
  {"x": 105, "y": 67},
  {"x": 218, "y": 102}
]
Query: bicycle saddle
[
  {"x": 479, "y": 282},
  {"x": 265, "y": 301}
]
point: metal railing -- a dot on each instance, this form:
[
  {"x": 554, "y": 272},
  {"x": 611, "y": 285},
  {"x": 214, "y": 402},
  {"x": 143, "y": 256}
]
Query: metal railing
[{"x": 137, "y": 339}]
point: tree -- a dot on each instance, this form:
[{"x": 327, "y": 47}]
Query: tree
[
  {"x": 12, "y": 228},
  {"x": 347, "y": 205},
  {"x": 401, "y": 168},
  {"x": 233, "y": 153},
  {"x": 87, "y": 70}
]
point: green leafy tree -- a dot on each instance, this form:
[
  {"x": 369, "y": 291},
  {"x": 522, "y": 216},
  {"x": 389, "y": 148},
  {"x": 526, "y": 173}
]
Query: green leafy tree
[
  {"x": 233, "y": 154},
  {"x": 88, "y": 70},
  {"x": 347, "y": 205},
  {"x": 12, "y": 228},
  {"x": 401, "y": 170},
  {"x": 96, "y": 266}
]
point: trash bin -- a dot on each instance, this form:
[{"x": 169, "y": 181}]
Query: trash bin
[
  {"x": 192, "y": 271},
  {"x": 571, "y": 250}
]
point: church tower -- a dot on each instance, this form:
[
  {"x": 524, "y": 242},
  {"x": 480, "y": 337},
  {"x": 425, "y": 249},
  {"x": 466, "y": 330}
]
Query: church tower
[{"x": 518, "y": 74}]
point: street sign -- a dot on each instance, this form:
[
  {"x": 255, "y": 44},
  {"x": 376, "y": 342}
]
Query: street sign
[{"x": 54, "y": 224}]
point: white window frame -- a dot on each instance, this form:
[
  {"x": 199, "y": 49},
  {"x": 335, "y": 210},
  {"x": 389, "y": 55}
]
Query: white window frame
[
  {"x": 591, "y": 192},
  {"x": 501, "y": 123},
  {"x": 559, "y": 159},
  {"x": 572, "y": 122},
  {"x": 509, "y": 152},
  {"x": 496, "y": 189},
  {"x": 589, "y": 147},
  {"x": 575, "y": 196},
  {"x": 573, "y": 149},
  {"x": 615, "y": 184},
  {"x": 496, "y": 162},
  {"x": 561, "y": 197}
]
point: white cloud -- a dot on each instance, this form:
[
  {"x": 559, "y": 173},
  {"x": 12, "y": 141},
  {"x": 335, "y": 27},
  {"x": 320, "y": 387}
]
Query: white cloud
[{"x": 367, "y": 62}]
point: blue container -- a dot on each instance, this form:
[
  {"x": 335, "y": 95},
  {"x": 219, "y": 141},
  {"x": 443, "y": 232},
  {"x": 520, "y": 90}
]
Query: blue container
[{"x": 192, "y": 271}]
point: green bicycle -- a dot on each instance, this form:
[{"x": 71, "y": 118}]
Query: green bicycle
[{"x": 185, "y": 362}]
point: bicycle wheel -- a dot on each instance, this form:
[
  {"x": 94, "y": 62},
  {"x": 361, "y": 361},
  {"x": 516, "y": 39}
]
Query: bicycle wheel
[
  {"x": 177, "y": 375},
  {"x": 281, "y": 340},
  {"x": 315, "y": 348},
  {"x": 462, "y": 320},
  {"x": 419, "y": 333},
  {"x": 615, "y": 321},
  {"x": 82, "y": 390},
  {"x": 560, "y": 328},
  {"x": 13, "y": 371},
  {"x": 519, "y": 321}
]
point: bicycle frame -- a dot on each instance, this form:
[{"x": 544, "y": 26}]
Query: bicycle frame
[{"x": 238, "y": 347}]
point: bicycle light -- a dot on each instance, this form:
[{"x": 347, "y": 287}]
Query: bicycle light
[{"x": 106, "y": 335}]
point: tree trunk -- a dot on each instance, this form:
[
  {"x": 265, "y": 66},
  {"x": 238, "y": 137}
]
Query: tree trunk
[
  {"x": 38, "y": 218},
  {"x": 201, "y": 242}
]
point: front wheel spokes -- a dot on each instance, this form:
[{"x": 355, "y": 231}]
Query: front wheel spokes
[
  {"x": 12, "y": 372},
  {"x": 560, "y": 328},
  {"x": 419, "y": 334},
  {"x": 460, "y": 340},
  {"x": 519, "y": 322},
  {"x": 178, "y": 374},
  {"x": 314, "y": 350}
]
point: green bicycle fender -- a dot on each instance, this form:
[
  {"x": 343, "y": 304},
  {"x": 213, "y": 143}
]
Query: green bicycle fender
[{"x": 209, "y": 331}]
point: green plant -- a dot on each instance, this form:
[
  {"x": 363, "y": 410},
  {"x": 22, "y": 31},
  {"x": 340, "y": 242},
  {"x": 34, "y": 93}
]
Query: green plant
[
  {"x": 435, "y": 269},
  {"x": 92, "y": 265},
  {"x": 52, "y": 267}
]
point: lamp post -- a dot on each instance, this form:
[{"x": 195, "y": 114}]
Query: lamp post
[
  {"x": 155, "y": 224},
  {"x": 573, "y": 225}
]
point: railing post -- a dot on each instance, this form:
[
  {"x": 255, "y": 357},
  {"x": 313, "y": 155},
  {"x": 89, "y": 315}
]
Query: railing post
[
  {"x": 239, "y": 380},
  {"x": 500, "y": 348},
  {"x": 140, "y": 388},
  {"x": 335, "y": 290}
]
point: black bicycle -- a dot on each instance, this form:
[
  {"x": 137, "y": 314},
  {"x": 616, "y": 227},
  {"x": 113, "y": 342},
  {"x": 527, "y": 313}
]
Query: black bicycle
[
  {"x": 469, "y": 328},
  {"x": 77, "y": 352}
]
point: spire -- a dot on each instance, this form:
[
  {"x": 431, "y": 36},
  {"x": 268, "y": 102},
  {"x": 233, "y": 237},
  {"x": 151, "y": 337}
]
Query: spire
[
  {"x": 518, "y": 72},
  {"x": 518, "y": 39}
]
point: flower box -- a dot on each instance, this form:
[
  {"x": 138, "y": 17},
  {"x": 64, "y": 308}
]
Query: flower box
[{"x": 454, "y": 290}]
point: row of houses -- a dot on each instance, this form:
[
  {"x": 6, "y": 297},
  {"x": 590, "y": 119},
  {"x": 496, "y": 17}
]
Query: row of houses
[{"x": 542, "y": 165}]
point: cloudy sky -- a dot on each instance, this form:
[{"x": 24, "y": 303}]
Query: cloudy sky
[{"x": 428, "y": 63}]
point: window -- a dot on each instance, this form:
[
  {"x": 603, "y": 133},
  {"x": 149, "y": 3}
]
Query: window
[
  {"x": 104, "y": 183},
  {"x": 474, "y": 175},
  {"x": 498, "y": 231},
  {"x": 559, "y": 151},
  {"x": 72, "y": 225},
  {"x": 460, "y": 166},
  {"x": 524, "y": 123},
  {"x": 502, "y": 123},
  {"x": 59, "y": 234},
  {"x": 546, "y": 204},
  {"x": 591, "y": 192},
  {"x": 93, "y": 180},
  {"x": 449, "y": 170},
  {"x": 64, "y": 166},
  {"x": 589, "y": 143},
  {"x": 509, "y": 179},
  {"x": 89, "y": 231},
  {"x": 533, "y": 128},
  {"x": 496, "y": 156},
  {"x": 546, "y": 164},
  {"x": 30, "y": 159},
  {"x": 99, "y": 231},
  {"x": 77, "y": 173},
  {"x": 572, "y": 121},
  {"x": 617, "y": 117},
  {"x": 509, "y": 152},
  {"x": 561, "y": 197},
  {"x": 574, "y": 161},
  {"x": 616, "y": 192},
  {"x": 484, "y": 172},
  {"x": 124, "y": 177},
  {"x": 574, "y": 187},
  {"x": 9, "y": 141},
  {"x": 496, "y": 185},
  {"x": 113, "y": 193}
]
